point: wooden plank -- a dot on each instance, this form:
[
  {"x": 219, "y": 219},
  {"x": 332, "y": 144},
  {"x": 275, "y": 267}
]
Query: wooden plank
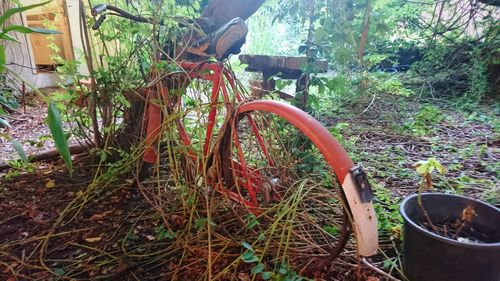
[{"x": 259, "y": 63}]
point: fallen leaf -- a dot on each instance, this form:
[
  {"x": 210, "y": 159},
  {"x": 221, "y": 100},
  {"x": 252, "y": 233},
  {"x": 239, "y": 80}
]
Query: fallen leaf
[
  {"x": 243, "y": 277},
  {"x": 32, "y": 213},
  {"x": 122, "y": 267},
  {"x": 177, "y": 220},
  {"x": 94, "y": 239},
  {"x": 50, "y": 184},
  {"x": 150, "y": 237},
  {"x": 96, "y": 217},
  {"x": 39, "y": 218}
]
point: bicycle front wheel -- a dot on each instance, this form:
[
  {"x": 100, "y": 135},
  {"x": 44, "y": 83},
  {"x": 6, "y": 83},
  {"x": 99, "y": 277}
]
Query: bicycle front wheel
[{"x": 284, "y": 165}]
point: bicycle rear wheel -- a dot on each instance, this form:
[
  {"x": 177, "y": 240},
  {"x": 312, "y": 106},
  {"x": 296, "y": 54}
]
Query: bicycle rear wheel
[{"x": 271, "y": 164}]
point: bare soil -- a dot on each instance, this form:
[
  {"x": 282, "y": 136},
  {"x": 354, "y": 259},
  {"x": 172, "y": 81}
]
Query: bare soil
[
  {"x": 54, "y": 225},
  {"x": 28, "y": 127}
]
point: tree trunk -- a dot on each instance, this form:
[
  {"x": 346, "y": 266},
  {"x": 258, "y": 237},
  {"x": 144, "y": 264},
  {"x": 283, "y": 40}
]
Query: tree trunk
[{"x": 364, "y": 35}]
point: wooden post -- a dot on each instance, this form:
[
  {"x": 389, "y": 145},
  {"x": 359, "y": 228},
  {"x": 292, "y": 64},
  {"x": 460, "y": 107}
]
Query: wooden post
[{"x": 268, "y": 84}]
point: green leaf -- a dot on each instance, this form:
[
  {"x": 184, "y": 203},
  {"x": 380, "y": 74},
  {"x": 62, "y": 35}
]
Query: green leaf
[
  {"x": 59, "y": 271},
  {"x": 252, "y": 224},
  {"x": 422, "y": 167},
  {"x": 162, "y": 233},
  {"x": 261, "y": 237},
  {"x": 3, "y": 59},
  {"x": 435, "y": 164},
  {"x": 249, "y": 257},
  {"x": 440, "y": 169},
  {"x": 8, "y": 37},
  {"x": 13, "y": 11},
  {"x": 331, "y": 229},
  {"x": 257, "y": 269},
  {"x": 5, "y": 137},
  {"x": 266, "y": 275},
  {"x": 247, "y": 246},
  {"x": 379, "y": 4},
  {"x": 343, "y": 55},
  {"x": 387, "y": 264},
  {"x": 44, "y": 31},
  {"x": 4, "y": 123},
  {"x": 200, "y": 223},
  {"x": 56, "y": 129},
  {"x": 27, "y": 30},
  {"x": 283, "y": 269},
  {"x": 20, "y": 150},
  {"x": 251, "y": 221}
]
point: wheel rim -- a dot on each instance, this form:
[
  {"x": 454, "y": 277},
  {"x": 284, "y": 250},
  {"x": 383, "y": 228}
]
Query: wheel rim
[{"x": 311, "y": 198}]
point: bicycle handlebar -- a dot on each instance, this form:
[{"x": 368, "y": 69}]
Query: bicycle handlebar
[
  {"x": 98, "y": 23},
  {"x": 101, "y": 8}
]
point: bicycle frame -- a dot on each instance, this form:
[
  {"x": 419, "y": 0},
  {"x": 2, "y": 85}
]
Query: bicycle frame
[
  {"x": 353, "y": 182},
  {"x": 215, "y": 73},
  {"x": 362, "y": 213}
]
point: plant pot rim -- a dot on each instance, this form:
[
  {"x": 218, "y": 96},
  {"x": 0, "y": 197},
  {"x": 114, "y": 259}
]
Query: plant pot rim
[{"x": 439, "y": 237}]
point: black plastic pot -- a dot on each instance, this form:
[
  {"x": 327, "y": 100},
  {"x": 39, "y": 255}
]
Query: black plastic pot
[{"x": 430, "y": 257}]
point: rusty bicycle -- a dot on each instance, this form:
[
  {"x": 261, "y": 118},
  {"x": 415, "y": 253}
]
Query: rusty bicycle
[{"x": 258, "y": 152}]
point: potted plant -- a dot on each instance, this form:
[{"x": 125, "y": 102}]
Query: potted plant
[{"x": 449, "y": 237}]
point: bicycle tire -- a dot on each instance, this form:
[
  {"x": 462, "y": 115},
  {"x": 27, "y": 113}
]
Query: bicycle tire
[{"x": 329, "y": 217}]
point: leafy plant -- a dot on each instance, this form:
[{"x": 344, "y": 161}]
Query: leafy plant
[
  {"x": 388, "y": 85},
  {"x": 201, "y": 223},
  {"x": 339, "y": 132},
  {"x": 425, "y": 169},
  {"x": 54, "y": 119},
  {"x": 18, "y": 167},
  {"x": 456, "y": 69},
  {"x": 425, "y": 120},
  {"x": 282, "y": 273},
  {"x": 55, "y": 124},
  {"x": 387, "y": 210},
  {"x": 249, "y": 256},
  {"x": 8, "y": 101},
  {"x": 162, "y": 233},
  {"x": 251, "y": 221},
  {"x": 4, "y": 31}
]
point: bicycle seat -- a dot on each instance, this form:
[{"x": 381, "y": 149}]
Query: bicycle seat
[{"x": 223, "y": 42}]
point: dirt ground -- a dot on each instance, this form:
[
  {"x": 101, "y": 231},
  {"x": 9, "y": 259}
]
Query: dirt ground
[
  {"x": 54, "y": 225},
  {"x": 28, "y": 127}
]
